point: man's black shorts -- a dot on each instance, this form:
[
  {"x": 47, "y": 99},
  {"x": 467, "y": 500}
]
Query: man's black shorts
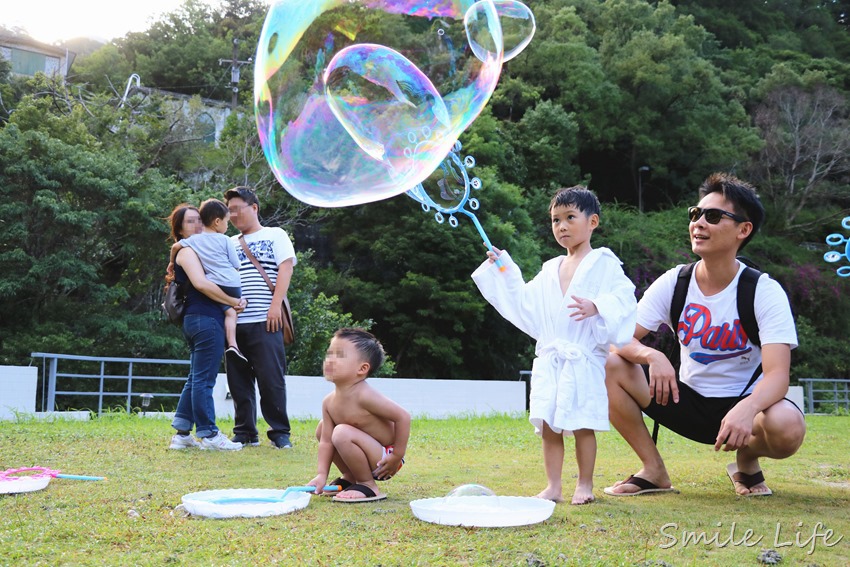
[{"x": 695, "y": 416}]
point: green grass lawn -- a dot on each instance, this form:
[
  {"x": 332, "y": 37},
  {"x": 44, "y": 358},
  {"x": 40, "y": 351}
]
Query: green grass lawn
[{"x": 129, "y": 520}]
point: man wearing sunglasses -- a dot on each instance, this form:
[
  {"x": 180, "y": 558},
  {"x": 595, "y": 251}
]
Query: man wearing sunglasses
[{"x": 710, "y": 398}]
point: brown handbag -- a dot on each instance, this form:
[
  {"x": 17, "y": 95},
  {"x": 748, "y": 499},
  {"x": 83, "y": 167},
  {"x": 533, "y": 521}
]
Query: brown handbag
[{"x": 288, "y": 327}]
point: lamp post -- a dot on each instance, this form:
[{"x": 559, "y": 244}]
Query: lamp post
[
  {"x": 641, "y": 170},
  {"x": 146, "y": 402}
]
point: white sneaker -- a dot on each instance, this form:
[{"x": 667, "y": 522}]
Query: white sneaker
[
  {"x": 183, "y": 442},
  {"x": 219, "y": 442}
]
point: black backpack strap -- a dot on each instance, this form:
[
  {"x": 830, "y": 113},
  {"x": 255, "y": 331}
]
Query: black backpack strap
[
  {"x": 746, "y": 303},
  {"x": 753, "y": 378},
  {"x": 680, "y": 292},
  {"x": 747, "y": 314}
]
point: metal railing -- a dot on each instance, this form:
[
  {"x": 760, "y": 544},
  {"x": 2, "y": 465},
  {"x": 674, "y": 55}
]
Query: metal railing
[
  {"x": 51, "y": 375},
  {"x": 819, "y": 392}
]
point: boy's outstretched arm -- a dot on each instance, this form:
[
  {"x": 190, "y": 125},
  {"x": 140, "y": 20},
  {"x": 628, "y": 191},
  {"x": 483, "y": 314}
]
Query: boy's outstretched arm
[{"x": 326, "y": 451}]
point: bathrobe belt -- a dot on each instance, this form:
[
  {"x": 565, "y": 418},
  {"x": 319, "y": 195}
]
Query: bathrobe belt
[{"x": 569, "y": 357}]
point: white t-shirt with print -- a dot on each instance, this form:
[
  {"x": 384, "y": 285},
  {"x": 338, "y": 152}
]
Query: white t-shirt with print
[
  {"x": 270, "y": 246},
  {"x": 717, "y": 357}
]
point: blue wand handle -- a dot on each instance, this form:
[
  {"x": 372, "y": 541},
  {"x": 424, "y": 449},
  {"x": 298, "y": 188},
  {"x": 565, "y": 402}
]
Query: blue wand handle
[
  {"x": 329, "y": 488},
  {"x": 281, "y": 498},
  {"x": 483, "y": 235},
  {"x": 80, "y": 477}
]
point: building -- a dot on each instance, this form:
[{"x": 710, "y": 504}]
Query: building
[{"x": 29, "y": 56}]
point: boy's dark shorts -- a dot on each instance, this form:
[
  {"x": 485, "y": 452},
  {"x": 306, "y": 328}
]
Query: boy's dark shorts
[
  {"x": 234, "y": 292},
  {"x": 695, "y": 416}
]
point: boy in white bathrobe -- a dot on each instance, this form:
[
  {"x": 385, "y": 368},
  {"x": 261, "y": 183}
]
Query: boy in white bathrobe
[{"x": 576, "y": 307}]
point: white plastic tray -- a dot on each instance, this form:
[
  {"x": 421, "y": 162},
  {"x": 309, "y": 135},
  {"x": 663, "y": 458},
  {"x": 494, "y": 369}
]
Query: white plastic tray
[
  {"x": 483, "y": 511},
  {"x": 203, "y": 503},
  {"x": 14, "y": 485}
]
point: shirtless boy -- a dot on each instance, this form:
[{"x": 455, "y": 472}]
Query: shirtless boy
[{"x": 362, "y": 432}]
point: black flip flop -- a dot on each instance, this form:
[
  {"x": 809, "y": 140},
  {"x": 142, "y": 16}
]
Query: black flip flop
[
  {"x": 646, "y": 487},
  {"x": 748, "y": 480},
  {"x": 370, "y": 495}
]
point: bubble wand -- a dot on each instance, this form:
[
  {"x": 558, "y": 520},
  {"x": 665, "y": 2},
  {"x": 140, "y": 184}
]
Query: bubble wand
[
  {"x": 13, "y": 482},
  {"x": 14, "y": 474},
  {"x": 834, "y": 255},
  {"x": 454, "y": 184}
]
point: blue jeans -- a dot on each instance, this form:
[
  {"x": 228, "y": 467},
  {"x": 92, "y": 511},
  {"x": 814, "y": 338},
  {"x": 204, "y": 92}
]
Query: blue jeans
[{"x": 205, "y": 337}]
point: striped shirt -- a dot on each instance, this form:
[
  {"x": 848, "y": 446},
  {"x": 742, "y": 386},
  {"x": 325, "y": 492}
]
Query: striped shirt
[{"x": 271, "y": 247}]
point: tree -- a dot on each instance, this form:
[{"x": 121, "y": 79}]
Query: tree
[
  {"x": 491, "y": 142},
  {"x": 807, "y": 146},
  {"x": 637, "y": 80},
  {"x": 6, "y": 92},
  {"x": 82, "y": 238},
  {"x": 317, "y": 316},
  {"x": 410, "y": 275},
  {"x": 185, "y": 51},
  {"x": 104, "y": 70},
  {"x": 84, "y": 246},
  {"x": 549, "y": 136},
  {"x": 811, "y": 26}
]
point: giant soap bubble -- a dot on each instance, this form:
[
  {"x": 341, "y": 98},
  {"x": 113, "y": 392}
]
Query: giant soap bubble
[{"x": 360, "y": 100}]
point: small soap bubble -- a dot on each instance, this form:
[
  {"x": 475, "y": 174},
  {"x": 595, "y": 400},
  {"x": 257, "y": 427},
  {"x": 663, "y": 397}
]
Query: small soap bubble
[
  {"x": 514, "y": 34},
  {"x": 470, "y": 490}
]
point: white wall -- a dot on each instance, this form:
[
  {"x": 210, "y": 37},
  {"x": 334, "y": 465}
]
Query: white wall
[
  {"x": 795, "y": 394},
  {"x": 422, "y": 398},
  {"x": 17, "y": 390}
]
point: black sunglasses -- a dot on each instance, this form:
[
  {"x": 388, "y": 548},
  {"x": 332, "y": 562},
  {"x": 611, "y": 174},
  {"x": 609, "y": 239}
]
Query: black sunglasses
[{"x": 712, "y": 216}]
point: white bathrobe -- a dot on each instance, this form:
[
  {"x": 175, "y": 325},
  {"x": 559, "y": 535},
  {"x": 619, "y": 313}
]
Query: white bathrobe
[{"x": 568, "y": 374}]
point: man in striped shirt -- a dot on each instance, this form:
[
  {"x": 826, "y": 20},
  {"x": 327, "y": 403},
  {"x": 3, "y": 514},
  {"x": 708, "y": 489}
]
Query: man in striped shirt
[{"x": 259, "y": 328}]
